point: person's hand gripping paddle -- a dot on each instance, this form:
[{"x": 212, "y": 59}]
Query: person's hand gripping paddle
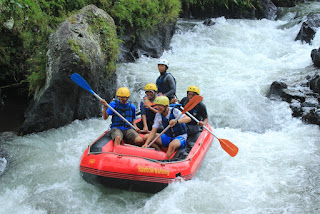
[
  {"x": 190, "y": 105},
  {"x": 83, "y": 84}
]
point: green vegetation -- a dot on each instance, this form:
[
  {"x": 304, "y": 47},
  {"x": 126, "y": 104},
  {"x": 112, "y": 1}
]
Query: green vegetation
[
  {"x": 110, "y": 42},
  {"x": 75, "y": 46},
  {"x": 214, "y": 5},
  {"x": 141, "y": 14}
]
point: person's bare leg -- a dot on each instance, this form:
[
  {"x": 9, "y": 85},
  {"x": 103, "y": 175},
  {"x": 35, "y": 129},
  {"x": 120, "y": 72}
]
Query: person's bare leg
[
  {"x": 175, "y": 144},
  {"x": 138, "y": 141},
  {"x": 117, "y": 140}
]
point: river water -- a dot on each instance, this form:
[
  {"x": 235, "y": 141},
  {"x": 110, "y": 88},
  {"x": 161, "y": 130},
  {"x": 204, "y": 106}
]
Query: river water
[{"x": 277, "y": 169}]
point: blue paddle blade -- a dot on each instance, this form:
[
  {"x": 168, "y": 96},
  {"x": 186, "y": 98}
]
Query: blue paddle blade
[{"x": 81, "y": 82}]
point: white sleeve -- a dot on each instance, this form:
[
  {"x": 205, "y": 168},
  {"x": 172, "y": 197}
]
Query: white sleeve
[{"x": 157, "y": 121}]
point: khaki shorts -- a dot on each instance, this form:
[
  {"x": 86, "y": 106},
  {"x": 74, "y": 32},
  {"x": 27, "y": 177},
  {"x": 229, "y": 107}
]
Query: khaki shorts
[{"x": 126, "y": 135}]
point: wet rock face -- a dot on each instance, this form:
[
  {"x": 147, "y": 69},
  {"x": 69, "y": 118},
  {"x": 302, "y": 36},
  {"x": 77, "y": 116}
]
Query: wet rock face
[
  {"x": 74, "y": 48},
  {"x": 262, "y": 9},
  {"x": 315, "y": 84},
  {"x": 285, "y": 3},
  {"x": 315, "y": 56},
  {"x": 304, "y": 98},
  {"x": 269, "y": 10},
  {"x": 209, "y": 22},
  {"x": 150, "y": 42},
  {"x": 3, "y": 162},
  {"x": 309, "y": 28}
]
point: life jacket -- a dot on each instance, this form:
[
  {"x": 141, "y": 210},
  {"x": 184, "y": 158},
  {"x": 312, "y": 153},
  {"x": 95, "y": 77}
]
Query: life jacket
[
  {"x": 193, "y": 126},
  {"x": 126, "y": 112},
  {"x": 195, "y": 112},
  {"x": 163, "y": 88},
  {"x": 149, "y": 113},
  {"x": 176, "y": 130}
]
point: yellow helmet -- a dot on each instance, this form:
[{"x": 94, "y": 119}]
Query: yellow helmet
[
  {"x": 151, "y": 87},
  {"x": 194, "y": 88},
  {"x": 123, "y": 92},
  {"x": 162, "y": 100}
]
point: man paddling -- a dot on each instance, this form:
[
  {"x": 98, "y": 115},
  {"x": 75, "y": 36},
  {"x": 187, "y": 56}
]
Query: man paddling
[
  {"x": 199, "y": 111},
  {"x": 147, "y": 107},
  {"x": 175, "y": 136},
  {"x": 119, "y": 128}
]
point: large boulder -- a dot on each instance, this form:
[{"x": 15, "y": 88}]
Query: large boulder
[
  {"x": 78, "y": 46},
  {"x": 309, "y": 28}
]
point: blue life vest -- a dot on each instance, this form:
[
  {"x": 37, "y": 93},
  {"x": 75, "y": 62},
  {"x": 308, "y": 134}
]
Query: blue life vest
[
  {"x": 126, "y": 112},
  {"x": 163, "y": 88},
  {"x": 176, "y": 130}
]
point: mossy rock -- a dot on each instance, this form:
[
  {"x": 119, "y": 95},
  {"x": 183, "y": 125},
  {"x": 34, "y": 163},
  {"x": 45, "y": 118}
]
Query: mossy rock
[{"x": 80, "y": 45}]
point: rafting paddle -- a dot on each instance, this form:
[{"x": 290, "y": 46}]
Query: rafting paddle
[
  {"x": 229, "y": 147},
  {"x": 190, "y": 105},
  {"x": 83, "y": 84}
]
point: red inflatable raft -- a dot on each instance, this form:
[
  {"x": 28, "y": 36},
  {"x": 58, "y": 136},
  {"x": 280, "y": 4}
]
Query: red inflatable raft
[{"x": 144, "y": 170}]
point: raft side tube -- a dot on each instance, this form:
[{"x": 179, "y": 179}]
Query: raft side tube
[{"x": 125, "y": 184}]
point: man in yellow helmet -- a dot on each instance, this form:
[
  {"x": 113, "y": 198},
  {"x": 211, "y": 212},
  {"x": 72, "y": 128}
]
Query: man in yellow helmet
[
  {"x": 199, "y": 111},
  {"x": 119, "y": 128},
  {"x": 148, "y": 108},
  {"x": 175, "y": 136}
]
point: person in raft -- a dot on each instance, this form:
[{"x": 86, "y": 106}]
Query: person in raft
[
  {"x": 147, "y": 108},
  {"x": 175, "y": 136},
  {"x": 199, "y": 111},
  {"x": 119, "y": 128},
  {"x": 166, "y": 83}
]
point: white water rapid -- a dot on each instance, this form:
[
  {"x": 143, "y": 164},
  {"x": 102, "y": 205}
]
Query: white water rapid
[{"x": 277, "y": 169}]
